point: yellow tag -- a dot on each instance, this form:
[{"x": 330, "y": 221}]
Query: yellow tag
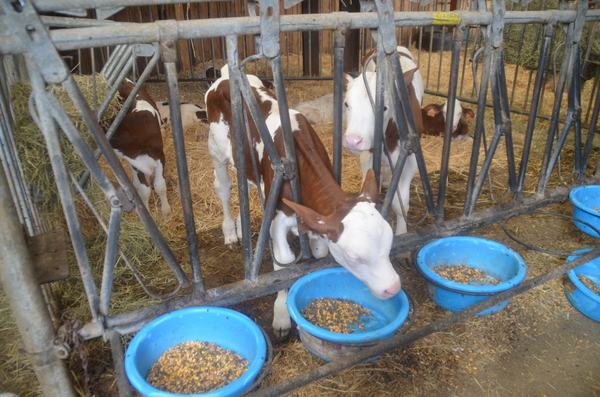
[{"x": 446, "y": 18}]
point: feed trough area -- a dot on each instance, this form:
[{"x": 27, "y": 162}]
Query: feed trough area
[
  {"x": 368, "y": 319},
  {"x": 176, "y": 353},
  {"x": 586, "y": 207},
  {"x": 583, "y": 287},
  {"x": 461, "y": 271}
]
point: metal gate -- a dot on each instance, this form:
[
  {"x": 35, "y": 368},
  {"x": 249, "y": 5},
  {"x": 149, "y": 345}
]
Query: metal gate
[{"x": 25, "y": 34}]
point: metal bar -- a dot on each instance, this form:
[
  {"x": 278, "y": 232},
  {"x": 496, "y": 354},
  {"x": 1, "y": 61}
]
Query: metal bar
[
  {"x": 25, "y": 299},
  {"x": 592, "y": 129},
  {"x": 535, "y": 101},
  {"x": 235, "y": 82},
  {"x": 110, "y": 258},
  {"x": 288, "y": 142},
  {"x": 506, "y": 125},
  {"x": 265, "y": 227},
  {"x": 65, "y": 39},
  {"x": 451, "y": 104},
  {"x": 471, "y": 196},
  {"x": 48, "y": 128},
  {"x": 118, "y": 356},
  {"x": 338, "y": 88},
  {"x": 183, "y": 175}
]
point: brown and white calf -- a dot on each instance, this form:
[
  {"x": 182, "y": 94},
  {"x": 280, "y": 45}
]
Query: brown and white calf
[
  {"x": 360, "y": 127},
  {"x": 434, "y": 120},
  {"x": 351, "y": 229},
  {"x": 138, "y": 140},
  {"x": 191, "y": 114}
]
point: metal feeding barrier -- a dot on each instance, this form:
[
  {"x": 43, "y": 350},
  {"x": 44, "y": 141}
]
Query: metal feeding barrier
[{"x": 24, "y": 33}]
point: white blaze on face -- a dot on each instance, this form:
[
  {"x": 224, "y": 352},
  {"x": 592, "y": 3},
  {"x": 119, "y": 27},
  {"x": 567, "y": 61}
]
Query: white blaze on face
[
  {"x": 364, "y": 248},
  {"x": 457, "y": 113}
]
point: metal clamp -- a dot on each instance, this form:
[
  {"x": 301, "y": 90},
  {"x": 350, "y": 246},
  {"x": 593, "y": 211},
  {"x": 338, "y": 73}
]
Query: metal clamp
[
  {"x": 20, "y": 21},
  {"x": 287, "y": 168}
]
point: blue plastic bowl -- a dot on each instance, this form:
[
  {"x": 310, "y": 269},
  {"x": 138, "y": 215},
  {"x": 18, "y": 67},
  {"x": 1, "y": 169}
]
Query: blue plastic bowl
[
  {"x": 227, "y": 328},
  {"x": 494, "y": 259},
  {"x": 580, "y": 296},
  {"x": 338, "y": 283},
  {"x": 584, "y": 199}
]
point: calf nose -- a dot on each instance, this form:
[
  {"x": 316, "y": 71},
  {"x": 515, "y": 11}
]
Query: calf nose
[
  {"x": 393, "y": 290},
  {"x": 353, "y": 142}
]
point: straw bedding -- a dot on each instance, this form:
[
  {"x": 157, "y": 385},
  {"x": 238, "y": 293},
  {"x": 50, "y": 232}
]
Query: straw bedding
[{"x": 435, "y": 365}]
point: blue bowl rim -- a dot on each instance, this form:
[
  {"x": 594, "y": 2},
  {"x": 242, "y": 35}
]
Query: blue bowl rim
[
  {"x": 575, "y": 280},
  {"x": 577, "y": 203},
  {"x": 252, "y": 372},
  {"x": 322, "y": 333},
  {"x": 442, "y": 282}
]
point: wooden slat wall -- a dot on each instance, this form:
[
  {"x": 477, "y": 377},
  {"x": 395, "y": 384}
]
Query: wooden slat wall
[{"x": 201, "y": 52}]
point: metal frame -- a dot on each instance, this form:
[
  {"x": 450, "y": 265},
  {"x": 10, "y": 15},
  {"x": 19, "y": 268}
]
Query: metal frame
[{"x": 26, "y": 35}]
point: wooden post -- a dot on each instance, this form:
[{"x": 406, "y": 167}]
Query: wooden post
[
  {"x": 352, "y": 48},
  {"x": 311, "y": 62}
]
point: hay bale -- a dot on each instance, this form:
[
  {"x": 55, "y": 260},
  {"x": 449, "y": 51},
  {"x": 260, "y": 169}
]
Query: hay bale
[{"x": 32, "y": 145}]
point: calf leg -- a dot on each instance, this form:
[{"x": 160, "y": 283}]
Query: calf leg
[
  {"x": 283, "y": 254},
  {"x": 161, "y": 189},
  {"x": 140, "y": 182},
  {"x": 410, "y": 168},
  {"x": 223, "y": 189}
]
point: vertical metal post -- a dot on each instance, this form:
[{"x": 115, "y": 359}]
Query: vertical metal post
[
  {"x": 338, "y": 88},
  {"x": 183, "y": 175},
  {"x": 27, "y": 302}
]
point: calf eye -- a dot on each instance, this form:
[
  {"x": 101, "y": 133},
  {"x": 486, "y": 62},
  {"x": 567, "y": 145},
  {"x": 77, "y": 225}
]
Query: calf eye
[
  {"x": 346, "y": 104},
  {"x": 385, "y": 108}
]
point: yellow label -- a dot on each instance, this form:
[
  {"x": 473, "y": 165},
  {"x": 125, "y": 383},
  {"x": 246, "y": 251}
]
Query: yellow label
[{"x": 446, "y": 18}]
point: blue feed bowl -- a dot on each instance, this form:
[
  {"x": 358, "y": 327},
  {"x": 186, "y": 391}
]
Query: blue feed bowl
[
  {"x": 494, "y": 259},
  {"x": 584, "y": 199},
  {"x": 227, "y": 328},
  {"x": 338, "y": 283},
  {"x": 580, "y": 296}
]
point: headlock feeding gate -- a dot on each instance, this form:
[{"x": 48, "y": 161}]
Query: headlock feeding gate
[{"x": 24, "y": 32}]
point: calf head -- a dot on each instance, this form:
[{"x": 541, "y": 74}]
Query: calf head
[
  {"x": 360, "y": 119},
  {"x": 459, "y": 111},
  {"x": 359, "y": 239}
]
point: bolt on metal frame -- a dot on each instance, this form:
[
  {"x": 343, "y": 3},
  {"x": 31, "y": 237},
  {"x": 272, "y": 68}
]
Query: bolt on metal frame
[{"x": 26, "y": 35}]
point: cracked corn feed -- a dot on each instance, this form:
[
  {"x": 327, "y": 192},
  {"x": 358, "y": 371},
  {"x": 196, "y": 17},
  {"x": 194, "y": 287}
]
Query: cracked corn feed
[
  {"x": 196, "y": 367},
  {"x": 588, "y": 282},
  {"x": 336, "y": 315},
  {"x": 464, "y": 274}
]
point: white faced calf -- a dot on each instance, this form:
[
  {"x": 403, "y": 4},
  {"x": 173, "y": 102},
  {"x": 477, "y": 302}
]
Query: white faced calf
[
  {"x": 434, "y": 120},
  {"x": 139, "y": 141},
  {"x": 351, "y": 229},
  {"x": 360, "y": 127}
]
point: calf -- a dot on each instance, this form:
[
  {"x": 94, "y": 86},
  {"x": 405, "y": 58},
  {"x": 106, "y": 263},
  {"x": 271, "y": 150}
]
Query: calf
[
  {"x": 434, "y": 120},
  {"x": 190, "y": 114},
  {"x": 353, "y": 230},
  {"x": 139, "y": 141},
  {"x": 360, "y": 126}
]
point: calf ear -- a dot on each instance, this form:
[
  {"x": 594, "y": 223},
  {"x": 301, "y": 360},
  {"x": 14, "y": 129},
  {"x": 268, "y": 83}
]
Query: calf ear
[
  {"x": 315, "y": 222},
  {"x": 408, "y": 76},
  {"x": 201, "y": 115},
  {"x": 347, "y": 80},
  {"x": 432, "y": 110},
  {"x": 468, "y": 113},
  {"x": 369, "y": 190}
]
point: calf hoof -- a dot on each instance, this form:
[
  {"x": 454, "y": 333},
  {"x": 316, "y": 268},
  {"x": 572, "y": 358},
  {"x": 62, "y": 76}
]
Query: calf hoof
[{"x": 281, "y": 334}]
